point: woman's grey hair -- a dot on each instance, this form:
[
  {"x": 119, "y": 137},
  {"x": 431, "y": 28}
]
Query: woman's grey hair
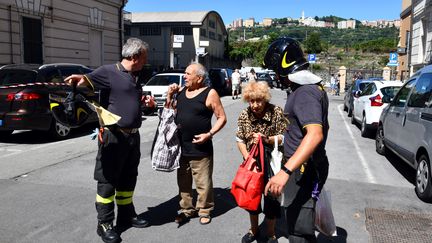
[
  {"x": 200, "y": 70},
  {"x": 134, "y": 46}
]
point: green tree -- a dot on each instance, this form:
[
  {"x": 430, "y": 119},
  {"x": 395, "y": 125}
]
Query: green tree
[{"x": 313, "y": 43}]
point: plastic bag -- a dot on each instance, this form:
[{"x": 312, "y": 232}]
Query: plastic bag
[
  {"x": 324, "y": 219},
  {"x": 276, "y": 162}
]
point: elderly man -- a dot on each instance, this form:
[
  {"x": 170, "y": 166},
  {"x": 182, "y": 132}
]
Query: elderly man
[{"x": 195, "y": 106}]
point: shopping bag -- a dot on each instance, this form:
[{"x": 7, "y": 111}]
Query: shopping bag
[
  {"x": 248, "y": 184},
  {"x": 166, "y": 151},
  {"x": 276, "y": 157},
  {"x": 324, "y": 219},
  {"x": 276, "y": 162}
]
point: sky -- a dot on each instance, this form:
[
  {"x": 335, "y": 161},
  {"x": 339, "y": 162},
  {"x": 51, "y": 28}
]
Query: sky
[{"x": 234, "y": 9}]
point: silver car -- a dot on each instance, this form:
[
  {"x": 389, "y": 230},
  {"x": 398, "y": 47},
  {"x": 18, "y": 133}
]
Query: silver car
[{"x": 405, "y": 128}]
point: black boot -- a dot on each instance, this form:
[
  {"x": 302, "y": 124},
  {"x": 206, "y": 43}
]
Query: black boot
[
  {"x": 136, "y": 222},
  {"x": 107, "y": 233}
]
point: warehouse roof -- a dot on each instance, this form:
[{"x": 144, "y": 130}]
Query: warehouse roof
[{"x": 193, "y": 17}]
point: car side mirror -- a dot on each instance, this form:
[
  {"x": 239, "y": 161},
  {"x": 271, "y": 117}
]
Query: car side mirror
[{"x": 357, "y": 93}]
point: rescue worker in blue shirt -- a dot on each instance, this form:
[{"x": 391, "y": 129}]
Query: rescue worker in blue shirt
[
  {"x": 119, "y": 153},
  {"x": 305, "y": 165}
]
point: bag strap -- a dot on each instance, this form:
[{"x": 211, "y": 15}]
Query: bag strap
[
  {"x": 276, "y": 143},
  {"x": 252, "y": 154},
  {"x": 256, "y": 151},
  {"x": 260, "y": 153}
]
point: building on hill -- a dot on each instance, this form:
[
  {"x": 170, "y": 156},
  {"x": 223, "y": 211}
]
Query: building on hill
[
  {"x": 267, "y": 22},
  {"x": 347, "y": 24},
  {"x": 250, "y": 22}
]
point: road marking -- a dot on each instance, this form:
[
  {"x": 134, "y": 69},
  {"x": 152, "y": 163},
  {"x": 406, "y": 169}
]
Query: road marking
[
  {"x": 18, "y": 151},
  {"x": 366, "y": 169}
]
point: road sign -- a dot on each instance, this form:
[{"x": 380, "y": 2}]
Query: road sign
[
  {"x": 393, "y": 56},
  {"x": 393, "y": 59},
  {"x": 311, "y": 58},
  {"x": 178, "y": 38},
  {"x": 177, "y": 45},
  {"x": 200, "y": 50}
]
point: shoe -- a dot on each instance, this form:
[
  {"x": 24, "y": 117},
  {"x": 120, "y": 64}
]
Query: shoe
[
  {"x": 182, "y": 218},
  {"x": 205, "y": 219},
  {"x": 272, "y": 239},
  {"x": 136, "y": 222},
  {"x": 232, "y": 97},
  {"x": 249, "y": 237},
  {"x": 107, "y": 233},
  {"x": 139, "y": 222}
]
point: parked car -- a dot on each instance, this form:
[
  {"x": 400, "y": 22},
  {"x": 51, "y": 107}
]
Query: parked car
[
  {"x": 266, "y": 78},
  {"x": 220, "y": 80},
  {"x": 352, "y": 93},
  {"x": 405, "y": 127},
  {"x": 370, "y": 103},
  {"x": 24, "y": 96},
  {"x": 158, "y": 85}
]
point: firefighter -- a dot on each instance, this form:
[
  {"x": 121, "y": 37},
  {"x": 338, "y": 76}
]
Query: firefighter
[
  {"x": 305, "y": 166},
  {"x": 119, "y": 153}
]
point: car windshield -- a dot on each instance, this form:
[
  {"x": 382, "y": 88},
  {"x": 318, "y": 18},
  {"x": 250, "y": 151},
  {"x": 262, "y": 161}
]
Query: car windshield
[
  {"x": 11, "y": 77},
  {"x": 163, "y": 80}
]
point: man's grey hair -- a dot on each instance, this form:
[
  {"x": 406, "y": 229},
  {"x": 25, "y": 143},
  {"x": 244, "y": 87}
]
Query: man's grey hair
[
  {"x": 134, "y": 46},
  {"x": 200, "y": 70}
]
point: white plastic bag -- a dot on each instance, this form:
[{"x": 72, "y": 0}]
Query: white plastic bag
[
  {"x": 324, "y": 219},
  {"x": 276, "y": 162}
]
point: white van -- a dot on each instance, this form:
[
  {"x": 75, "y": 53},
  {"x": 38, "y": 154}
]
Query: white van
[{"x": 158, "y": 85}]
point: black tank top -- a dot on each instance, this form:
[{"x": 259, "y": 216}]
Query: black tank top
[{"x": 193, "y": 118}]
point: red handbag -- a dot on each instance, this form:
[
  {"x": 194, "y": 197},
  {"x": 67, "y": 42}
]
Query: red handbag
[{"x": 248, "y": 184}]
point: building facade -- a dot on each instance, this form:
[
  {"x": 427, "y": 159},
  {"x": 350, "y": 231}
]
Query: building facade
[
  {"x": 347, "y": 24},
  {"x": 250, "y": 22},
  {"x": 179, "y": 38},
  {"x": 48, "y": 31},
  {"x": 404, "y": 41},
  {"x": 421, "y": 35},
  {"x": 267, "y": 22}
]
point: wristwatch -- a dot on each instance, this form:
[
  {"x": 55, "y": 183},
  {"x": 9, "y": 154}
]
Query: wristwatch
[{"x": 286, "y": 170}]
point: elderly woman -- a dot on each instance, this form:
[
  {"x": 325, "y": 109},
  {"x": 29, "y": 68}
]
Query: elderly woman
[{"x": 265, "y": 119}]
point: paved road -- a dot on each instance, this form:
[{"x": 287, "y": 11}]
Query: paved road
[{"x": 47, "y": 190}]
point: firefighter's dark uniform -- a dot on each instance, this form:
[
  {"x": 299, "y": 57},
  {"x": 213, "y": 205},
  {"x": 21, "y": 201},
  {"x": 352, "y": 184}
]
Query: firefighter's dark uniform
[
  {"x": 306, "y": 105},
  {"x": 119, "y": 153}
]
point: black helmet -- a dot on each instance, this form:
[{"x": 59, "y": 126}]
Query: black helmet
[
  {"x": 285, "y": 56},
  {"x": 72, "y": 111}
]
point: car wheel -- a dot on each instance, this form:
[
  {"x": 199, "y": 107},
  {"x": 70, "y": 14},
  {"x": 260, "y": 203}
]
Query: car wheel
[
  {"x": 58, "y": 130},
  {"x": 379, "y": 141},
  {"x": 423, "y": 186},
  {"x": 363, "y": 129}
]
